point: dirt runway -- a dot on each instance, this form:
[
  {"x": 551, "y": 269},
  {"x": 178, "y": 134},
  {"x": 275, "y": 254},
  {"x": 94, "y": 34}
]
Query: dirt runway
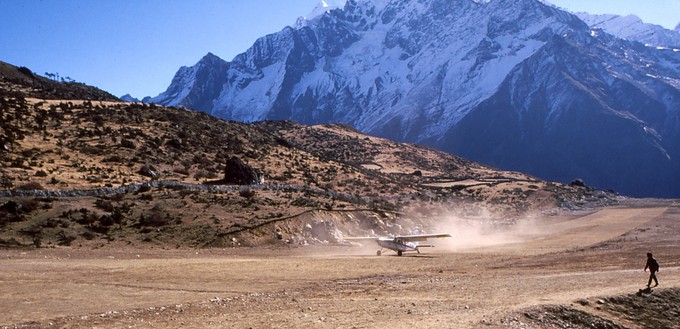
[{"x": 552, "y": 260}]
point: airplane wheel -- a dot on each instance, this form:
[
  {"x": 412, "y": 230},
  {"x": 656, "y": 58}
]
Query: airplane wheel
[
  {"x": 378, "y": 253},
  {"x": 399, "y": 253}
]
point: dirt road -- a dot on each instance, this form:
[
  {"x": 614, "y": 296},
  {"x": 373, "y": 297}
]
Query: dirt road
[{"x": 552, "y": 260}]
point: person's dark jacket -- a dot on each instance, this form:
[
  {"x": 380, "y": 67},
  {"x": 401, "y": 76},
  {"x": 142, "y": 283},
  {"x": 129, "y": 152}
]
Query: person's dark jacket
[{"x": 652, "y": 265}]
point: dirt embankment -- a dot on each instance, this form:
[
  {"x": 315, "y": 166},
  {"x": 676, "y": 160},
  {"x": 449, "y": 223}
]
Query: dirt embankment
[{"x": 657, "y": 309}]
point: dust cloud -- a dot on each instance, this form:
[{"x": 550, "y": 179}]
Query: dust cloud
[
  {"x": 487, "y": 230},
  {"x": 481, "y": 230}
]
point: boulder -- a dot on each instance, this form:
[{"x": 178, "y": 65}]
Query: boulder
[
  {"x": 149, "y": 171},
  {"x": 578, "y": 183},
  {"x": 236, "y": 172}
]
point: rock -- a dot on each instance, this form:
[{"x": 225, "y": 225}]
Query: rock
[
  {"x": 578, "y": 183},
  {"x": 238, "y": 173},
  {"x": 148, "y": 171}
]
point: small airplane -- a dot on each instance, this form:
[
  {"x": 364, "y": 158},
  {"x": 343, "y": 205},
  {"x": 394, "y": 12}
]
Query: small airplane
[{"x": 401, "y": 243}]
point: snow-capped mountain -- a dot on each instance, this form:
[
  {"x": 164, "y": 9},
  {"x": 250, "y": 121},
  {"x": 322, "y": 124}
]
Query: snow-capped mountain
[
  {"x": 195, "y": 86},
  {"x": 633, "y": 28},
  {"x": 517, "y": 84},
  {"x": 128, "y": 98}
]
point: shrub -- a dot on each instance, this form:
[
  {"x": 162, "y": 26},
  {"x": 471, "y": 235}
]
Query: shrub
[
  {"x": 247, "y": 193},
  {"x": 106, "y": 220},
  {"x": 87, "y": 235},
  {"x": 26, "y": 71},
  {"x": 104, "y": 205},
  {"x": 181, "y": 171},
  {"x": 34, "y": 231},
  {"x": 155, "y": 218},
  {"x": 64, "y": 240},
  {"x": 6, "y": 181},
  {"x": 6, "y": 218},
  {"x": 114, "y": 158},
  {"x": 118, "y": 217},
  {"x": 146, "y": 197},
  {"x": 30, "y": 186},
  {"x": 92, "y": 150},
  {"x": 126, "y": 143},
  {"x": 29, "y": 205},
  {"x": 94, "y": 179},
  {"x": 205, "y": 174}
]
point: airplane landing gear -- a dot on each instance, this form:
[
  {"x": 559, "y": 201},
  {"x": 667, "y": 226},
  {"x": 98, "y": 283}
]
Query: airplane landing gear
[
  {"x": 399, "y": 253},
  {"x": 378, "y": 253}
]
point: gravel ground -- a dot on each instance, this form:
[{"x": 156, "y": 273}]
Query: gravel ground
[{"x": 577, "y": 270}]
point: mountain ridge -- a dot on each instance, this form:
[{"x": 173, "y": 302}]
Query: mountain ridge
[
  {"x": 414, "y": 71},
  {"x": 632, "y": 28}
]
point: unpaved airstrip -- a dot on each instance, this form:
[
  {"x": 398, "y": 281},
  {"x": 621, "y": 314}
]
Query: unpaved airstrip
[{"x": 474, "y": 279}]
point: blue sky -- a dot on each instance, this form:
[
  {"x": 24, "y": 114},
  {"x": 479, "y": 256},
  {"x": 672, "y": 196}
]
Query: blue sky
[{"x": 136, "y": 46}]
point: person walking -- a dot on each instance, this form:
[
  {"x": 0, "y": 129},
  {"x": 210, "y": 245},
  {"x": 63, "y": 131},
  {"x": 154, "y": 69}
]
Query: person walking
[{"x": 653, "y": 266}]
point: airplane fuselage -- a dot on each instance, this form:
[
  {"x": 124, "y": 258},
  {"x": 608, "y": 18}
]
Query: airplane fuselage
[{"x": 397, "y": 244}]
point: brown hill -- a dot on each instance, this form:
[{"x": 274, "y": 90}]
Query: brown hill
[
  {"x": 97, "y": 172},
  {"x": 21, "y": 81}
]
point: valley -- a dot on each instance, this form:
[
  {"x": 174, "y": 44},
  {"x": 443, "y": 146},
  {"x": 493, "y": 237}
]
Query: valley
[{"x": 158, "y": 214}]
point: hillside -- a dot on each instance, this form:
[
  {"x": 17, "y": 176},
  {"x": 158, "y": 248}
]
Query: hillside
[
  {"x": 92, "y": 173},
  {"x": 21, "y": 81}
]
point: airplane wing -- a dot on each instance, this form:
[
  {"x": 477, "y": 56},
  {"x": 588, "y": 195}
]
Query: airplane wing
[
  {"x": 362, "y": 238},
  {"x": 407, "y": 238},
  {"x": 422, "y": 237}
]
